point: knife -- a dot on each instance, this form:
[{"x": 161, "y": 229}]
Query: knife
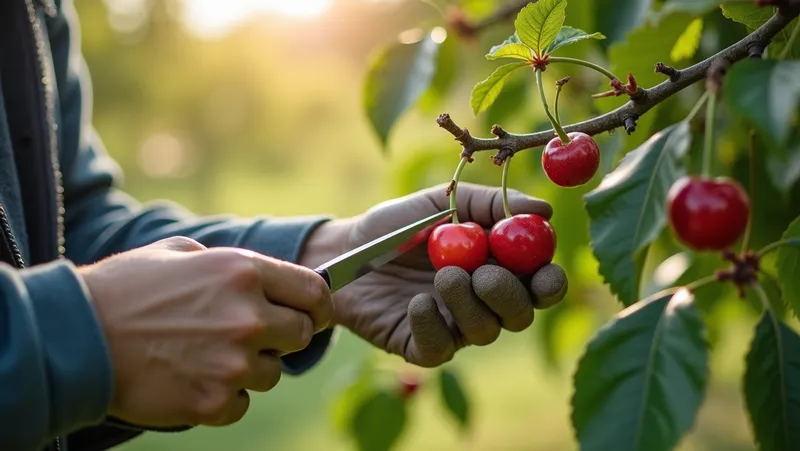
[{"x": 364, "y": 259}]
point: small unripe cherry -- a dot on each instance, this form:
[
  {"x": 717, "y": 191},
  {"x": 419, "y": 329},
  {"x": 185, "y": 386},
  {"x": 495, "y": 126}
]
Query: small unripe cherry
[
  {"x": 572, "y": 164},
  {"x": 523, "y": 243},
  {"x": 708, "y": 214}
]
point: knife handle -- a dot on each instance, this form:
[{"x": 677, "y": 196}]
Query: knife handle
[{"x": 324, "y": 274}]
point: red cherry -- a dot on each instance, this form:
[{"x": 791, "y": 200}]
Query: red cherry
[
  {"x": 523, "y": 243},
  {"x": 572, "y": 164},
  {"x": 409, "y": 385},
  {"x": 708, "y": 214},
  {"x": 464, "y": 245}
]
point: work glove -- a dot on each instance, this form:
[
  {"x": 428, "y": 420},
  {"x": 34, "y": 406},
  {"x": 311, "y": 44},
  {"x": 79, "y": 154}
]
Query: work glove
[{"x": 409, "y": 309}]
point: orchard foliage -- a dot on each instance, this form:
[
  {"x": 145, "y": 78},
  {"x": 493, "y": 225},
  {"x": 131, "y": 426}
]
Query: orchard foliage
[{"x": 703, "y": 98}]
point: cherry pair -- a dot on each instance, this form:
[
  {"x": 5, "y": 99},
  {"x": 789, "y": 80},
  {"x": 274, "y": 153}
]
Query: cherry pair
[{"x": 522, "y": 244}]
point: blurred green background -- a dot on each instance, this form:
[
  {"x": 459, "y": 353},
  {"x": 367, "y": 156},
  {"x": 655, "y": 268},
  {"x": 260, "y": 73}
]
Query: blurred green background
[{"x": 254, "y": 107}]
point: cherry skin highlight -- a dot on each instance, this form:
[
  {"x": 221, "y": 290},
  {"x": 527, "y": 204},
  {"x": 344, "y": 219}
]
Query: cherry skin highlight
[
  {"x": 464, "y": 245},
  {"x": 708, "y": 214},
  {"x": 523, "y": 243},
  {"x": 573, "y": 164}
]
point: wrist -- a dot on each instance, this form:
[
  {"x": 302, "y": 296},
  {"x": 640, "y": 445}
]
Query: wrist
[{"x": 326, "y": 242}]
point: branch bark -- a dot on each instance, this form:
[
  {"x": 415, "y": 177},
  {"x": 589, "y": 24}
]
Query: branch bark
[{"x": 625, "y": 116}]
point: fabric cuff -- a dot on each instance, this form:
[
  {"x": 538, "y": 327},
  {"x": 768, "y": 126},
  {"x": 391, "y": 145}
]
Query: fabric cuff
[
  {"x": 284, "y": 239},
  {"x": 76, "y": 354}
]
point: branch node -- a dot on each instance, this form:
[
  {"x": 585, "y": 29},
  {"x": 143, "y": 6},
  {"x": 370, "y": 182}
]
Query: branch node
[
  {"x": 503, "y": 154},
  {"x": 755, "y": 49},
  {"x": 630, "y": 124},
  {"x": 639, "y": 95},
  {"x": 716, "y": 72},
  {"x": 498, "y": 131},
  {"x": 673, "y": 74}
]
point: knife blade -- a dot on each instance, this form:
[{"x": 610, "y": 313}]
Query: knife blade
[{"x": 364, "y": 259}]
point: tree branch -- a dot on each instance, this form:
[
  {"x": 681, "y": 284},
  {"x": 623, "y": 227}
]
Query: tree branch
[{"x": 626, "y": 115}]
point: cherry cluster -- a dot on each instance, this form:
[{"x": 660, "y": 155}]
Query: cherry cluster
[{"x": 521, "y": 243}]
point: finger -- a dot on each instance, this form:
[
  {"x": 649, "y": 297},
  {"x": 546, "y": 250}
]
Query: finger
[
  {"x": 499, "y": 289},
  {"x": 265, "y": 372},
  {"x": 285, "y": 330},
  {"x": 549, "y": 286},
  {"x": 296, "y": 287},
  {"x": 177, "y": 243},
  {"x": 431, "y": 343},
  {"x": 484, "y": 204},
  {"x": 477, "y": 323},
  {"x": 222, "y": 408}
]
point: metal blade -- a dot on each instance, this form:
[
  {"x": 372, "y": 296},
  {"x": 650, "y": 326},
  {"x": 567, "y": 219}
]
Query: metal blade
[{"x": 364, "y": 259}]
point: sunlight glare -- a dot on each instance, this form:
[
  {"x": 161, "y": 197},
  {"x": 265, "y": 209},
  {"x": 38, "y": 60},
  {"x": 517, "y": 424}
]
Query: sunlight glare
[{"x": 214, "y": 17}]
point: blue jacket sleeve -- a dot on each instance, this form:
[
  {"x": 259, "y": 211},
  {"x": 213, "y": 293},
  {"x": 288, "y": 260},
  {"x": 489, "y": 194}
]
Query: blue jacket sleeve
[
  {"x": 100, "y": 219},
  {"x": 50, "y": 385}
]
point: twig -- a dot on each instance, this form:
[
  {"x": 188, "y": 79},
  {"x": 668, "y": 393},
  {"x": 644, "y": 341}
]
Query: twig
[{"x": 627, "y": 114}]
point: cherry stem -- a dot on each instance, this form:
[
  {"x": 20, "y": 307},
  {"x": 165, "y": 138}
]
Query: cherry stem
[
  {"x": 765, "y": 302},
  {"x": 504, "y": 183},
  {"x": 701, "y": 282},
  {"x": 555, "y": 104},
  {"x": 777, "y": 245},
  {"x": 709, "y": 141},
  {"x": 559, "y": 130},
  {"x": 788, "y": 49},
  {"x": 584, "y": 63},
  {"x": 456, "y": 178},
  {"x": 748, "y": 230},
  {"x": 697, "y": 106}
]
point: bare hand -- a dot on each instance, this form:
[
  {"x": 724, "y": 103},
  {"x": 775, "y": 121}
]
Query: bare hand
[{"x": 191, "y": 329}]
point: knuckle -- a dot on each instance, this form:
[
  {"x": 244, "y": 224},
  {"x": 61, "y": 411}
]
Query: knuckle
[
  {"x": 319, "y": 296},
  {"x": 183, "y": 243},
  {"x": 236, "y": 370},
  {"x": 248, "y": 328}
]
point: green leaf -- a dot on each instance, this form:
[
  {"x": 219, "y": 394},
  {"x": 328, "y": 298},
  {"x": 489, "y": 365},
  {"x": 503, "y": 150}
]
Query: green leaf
[
  {"x": 643, "y": 377},
  {"x": 766, "y": 93},
  {"x": 627, "y": 211},
  {"x": 686, "y": 45},
  {"x": 788, "y": 267},
  {"x": 694, "y": 7},
  {"x": 454, "y": 397},
  {"x": 508, "y": 103},
  {"x": 395, "y": 80},
  {"x": 784, "y": 170},
  {"x": 772, "y": 385},
  {"x": 510, "y": 48},
  {"x": 748, "y": 14},
  {"x": 379, "y": 421},
  {"x": 616, "y": 18},
  {"x": 538, "y": 23},
  {"x": 486, "y": 92},
  {"x": 447, "y": 65},
  {"x": 569, "y": 35}
]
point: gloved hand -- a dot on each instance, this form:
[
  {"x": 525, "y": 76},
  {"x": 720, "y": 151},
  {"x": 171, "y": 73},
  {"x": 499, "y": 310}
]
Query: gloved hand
[{"x": 409, "y": 309}]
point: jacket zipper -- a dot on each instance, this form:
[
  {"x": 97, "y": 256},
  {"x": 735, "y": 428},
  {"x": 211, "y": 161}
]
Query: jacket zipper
[
  {"x": 48, "y": 123},
  {"x": 9, "y": 242}
]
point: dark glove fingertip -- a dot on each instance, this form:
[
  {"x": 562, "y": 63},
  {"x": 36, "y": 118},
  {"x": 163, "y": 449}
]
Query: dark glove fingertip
[{"x": 549, "y": 286}]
